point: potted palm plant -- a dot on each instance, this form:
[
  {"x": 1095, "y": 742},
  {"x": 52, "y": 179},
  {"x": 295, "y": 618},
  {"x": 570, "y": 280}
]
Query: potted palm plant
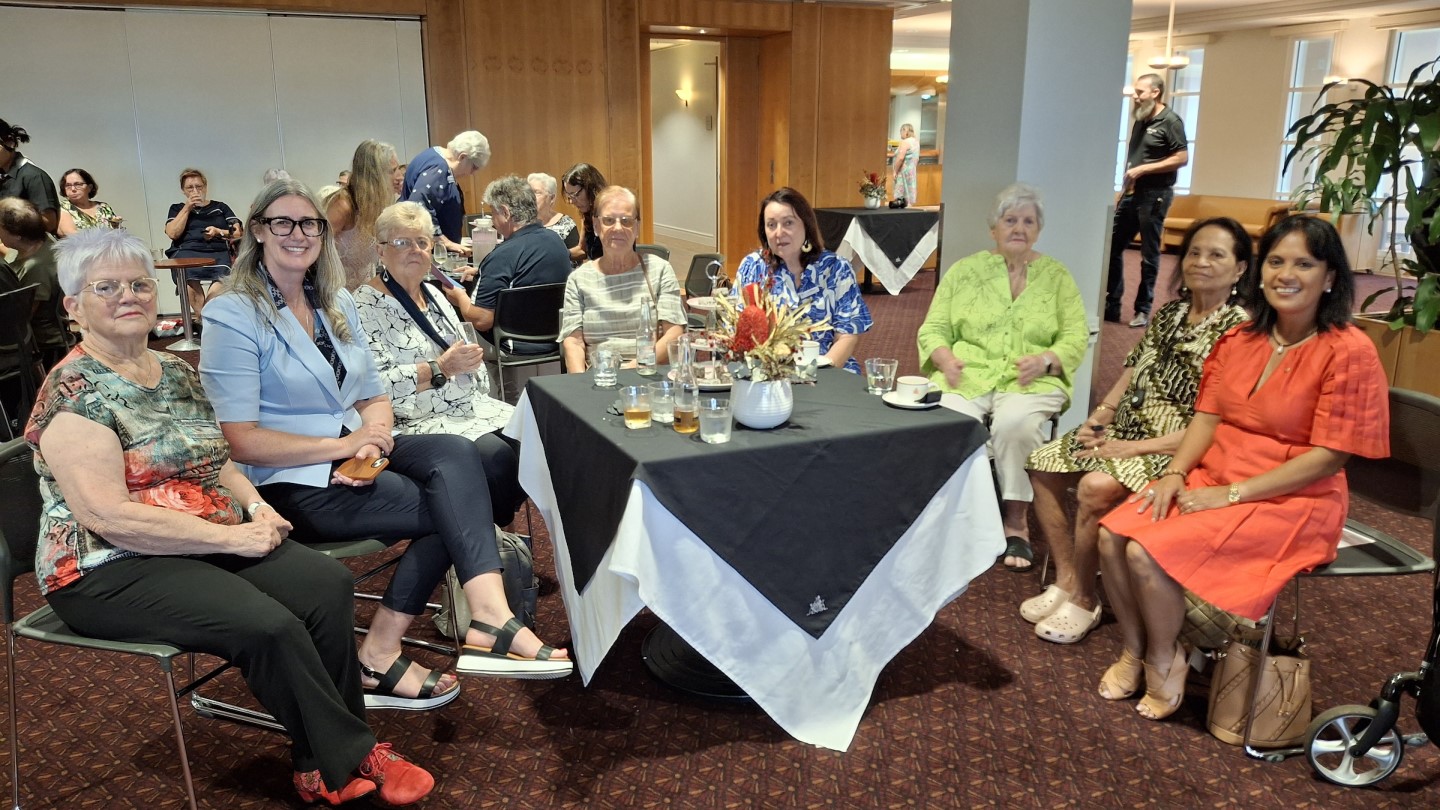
[{"x": 1376, "y": 152}]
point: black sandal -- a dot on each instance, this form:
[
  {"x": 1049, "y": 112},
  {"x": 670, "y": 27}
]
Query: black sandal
[
  {"x": 498, "y": 662},
  {"x": 383, "y": 696},
  {"x": 1016, "y": 546}
]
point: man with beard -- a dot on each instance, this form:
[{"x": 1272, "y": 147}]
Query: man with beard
[{"x": 1157, "y": 151}]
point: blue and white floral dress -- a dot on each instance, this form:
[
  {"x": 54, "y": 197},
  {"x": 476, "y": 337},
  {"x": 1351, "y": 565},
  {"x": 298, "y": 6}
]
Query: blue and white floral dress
[{"x": 827, "y": 289}]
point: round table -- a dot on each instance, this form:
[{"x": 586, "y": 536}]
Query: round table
[{"x": 178, "y": 268}]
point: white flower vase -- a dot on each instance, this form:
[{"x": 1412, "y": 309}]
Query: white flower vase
[
  {"x": 762, "y": 405},
  {"x": 872, "y": 202}
]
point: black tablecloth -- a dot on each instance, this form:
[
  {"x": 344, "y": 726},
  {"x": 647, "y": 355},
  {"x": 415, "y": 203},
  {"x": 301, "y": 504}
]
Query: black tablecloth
[
  {"x": 896, "y": 230},
  {"x": 803, "y": 512}
]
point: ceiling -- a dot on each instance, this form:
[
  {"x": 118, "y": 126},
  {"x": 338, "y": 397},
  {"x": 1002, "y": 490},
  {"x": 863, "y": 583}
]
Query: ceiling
[{"x": 922, "y": 27}]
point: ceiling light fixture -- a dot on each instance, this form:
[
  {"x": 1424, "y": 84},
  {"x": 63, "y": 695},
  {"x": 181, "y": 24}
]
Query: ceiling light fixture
[{"x": 1170, "y": 61}]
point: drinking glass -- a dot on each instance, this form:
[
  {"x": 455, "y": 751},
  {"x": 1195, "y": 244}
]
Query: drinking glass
[
  {"x": 606, "y": 366},
  {"x": 468, "y": 333},
  {"x": 880, "y": 374},
  {"x": 715, "y": 421},
  {"x": 645, "y": 358},
  {"x": 686, "y": 413},
  {"x": 635, "y": 402},
  {"x": 662, "y": 402}
]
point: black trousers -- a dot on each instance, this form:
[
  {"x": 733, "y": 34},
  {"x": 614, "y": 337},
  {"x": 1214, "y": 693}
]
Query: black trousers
[
  {"x": 284, "y": 619},
  {"x": 434, "y": 492},
  {"x": 1144, "y": 213}
]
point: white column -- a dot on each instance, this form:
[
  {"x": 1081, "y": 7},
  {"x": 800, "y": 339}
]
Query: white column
[{"x": 1034, "y": 96}]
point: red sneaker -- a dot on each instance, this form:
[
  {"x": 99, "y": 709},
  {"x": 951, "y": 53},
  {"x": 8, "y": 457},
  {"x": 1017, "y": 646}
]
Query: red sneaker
[
  {"x": 312, "y": 789},
  {"x": 401, "y": 781}
]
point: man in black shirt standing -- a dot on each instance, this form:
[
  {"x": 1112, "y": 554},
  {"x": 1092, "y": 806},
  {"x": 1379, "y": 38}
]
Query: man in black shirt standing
[
  {"x": 21, "y": 178},
  {"x": 1157, "y": 151}
]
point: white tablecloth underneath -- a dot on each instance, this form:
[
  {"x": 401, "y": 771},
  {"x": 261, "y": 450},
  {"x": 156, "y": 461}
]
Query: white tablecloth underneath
[{"x": 857, "y": 243}]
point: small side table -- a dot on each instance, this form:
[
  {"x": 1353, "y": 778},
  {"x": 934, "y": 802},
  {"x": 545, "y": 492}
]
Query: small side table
[{"x": 178, "y": 268}]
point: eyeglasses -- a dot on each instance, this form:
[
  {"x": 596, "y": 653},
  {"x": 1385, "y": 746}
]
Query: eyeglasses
[
  {"x": 624, "y": 222},
  {"x": 192, "y": 187},
  {"x": 572, "y": 196},
  {"x": 403, "y": 243},
  {"x": 109, "y": 289},
  {"x": 284, "y": 226},
  {"x": 77, "y": 185}
]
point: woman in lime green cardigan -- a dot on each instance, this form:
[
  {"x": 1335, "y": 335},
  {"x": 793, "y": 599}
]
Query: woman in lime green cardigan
[{"x": 1005, "y": 331}]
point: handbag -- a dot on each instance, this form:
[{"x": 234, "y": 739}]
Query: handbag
[
  {"x": 522, "y": 588},
  {"x": 1282, "y": 697},
  {"x": 1208, "y": 627}
]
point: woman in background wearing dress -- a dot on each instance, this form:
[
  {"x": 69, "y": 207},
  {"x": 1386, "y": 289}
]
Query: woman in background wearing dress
[
  {"x": 79, "y": 210},
  {"x": 903, "y": 166},
  {"x": 795, "y": 267},
  {"x": 1131, "y": 434},
  {"x": 352, "y": 209},
  {"x": 545, "y": 189},
  {"x": 1256, "y": 491}
]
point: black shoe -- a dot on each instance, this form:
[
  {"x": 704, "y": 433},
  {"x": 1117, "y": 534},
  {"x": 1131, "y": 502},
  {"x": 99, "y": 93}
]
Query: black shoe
[{"x": 1112, "y": 317}]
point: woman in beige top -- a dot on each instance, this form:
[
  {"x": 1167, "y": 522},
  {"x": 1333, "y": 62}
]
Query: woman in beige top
[{"x": 353, "y": 209}]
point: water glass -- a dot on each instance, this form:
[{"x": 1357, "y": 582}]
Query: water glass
[
  {"x": 635, "y": 403},
  {"x": 645, "y": 358},
  {"x": 880, "y": 374},
  {"x": 606, "y": 366},
  {"x": 662, "y": 402},
  {"x": 715, "y": 420},
  {"x": 468, "y": 333},
  {"x": 686, "y": 410}
]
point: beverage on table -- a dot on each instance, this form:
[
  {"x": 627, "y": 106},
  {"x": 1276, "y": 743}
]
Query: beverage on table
[
  {"x": 606, "y": 364},
  {"x": 714, "y": 421},
  {"x": 880, "y": 374},
  {"x": 645, "y": 339},
  {"x": 635, "y": 402},
  {"x": 662, "y": 402}
]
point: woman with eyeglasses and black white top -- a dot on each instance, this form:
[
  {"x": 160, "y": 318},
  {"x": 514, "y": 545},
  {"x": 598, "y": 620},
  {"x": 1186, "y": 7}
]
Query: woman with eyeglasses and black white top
[
  {"x": 603, "y": 297},
  {"x": 297, "y": 392}
]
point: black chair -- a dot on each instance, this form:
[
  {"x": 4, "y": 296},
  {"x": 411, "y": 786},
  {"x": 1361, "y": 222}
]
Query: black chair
[
  {"x": 697, "y": 281},
  {"x": 528, "y": 314},
  {"x": 659, "y": 251},
  {"x": 17, "y": 354}
]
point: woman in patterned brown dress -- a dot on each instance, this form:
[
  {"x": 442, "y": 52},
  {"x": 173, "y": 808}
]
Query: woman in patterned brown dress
[{"x": 1129, "y": 437}]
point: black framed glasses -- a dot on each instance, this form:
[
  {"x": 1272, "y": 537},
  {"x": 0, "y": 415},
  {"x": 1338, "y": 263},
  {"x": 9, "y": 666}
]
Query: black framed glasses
[
  {"x": 404, "y": 243},
  {"x": 284, "y": 226},
  {"x": 109, "y": 289}
]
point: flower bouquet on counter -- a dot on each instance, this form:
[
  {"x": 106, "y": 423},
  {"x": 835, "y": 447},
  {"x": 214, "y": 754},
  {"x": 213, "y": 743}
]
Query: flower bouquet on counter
[
  {"x": 765, "y": 335},
  {"x": 872, "y": 186}
]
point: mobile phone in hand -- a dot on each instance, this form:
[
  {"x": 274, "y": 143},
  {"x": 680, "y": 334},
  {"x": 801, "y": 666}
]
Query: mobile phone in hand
[
  {"x": 442, "y": 278},
  {"x": 363, "y": 469}
]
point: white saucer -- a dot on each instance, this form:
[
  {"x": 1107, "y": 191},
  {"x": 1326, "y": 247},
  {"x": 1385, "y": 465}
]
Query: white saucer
[
  {"x": 824, "y": 361},
  {"x": 705, "y": 386},
  {"x": 702, "y": 302},
  {"x": 894, "y": 400}
]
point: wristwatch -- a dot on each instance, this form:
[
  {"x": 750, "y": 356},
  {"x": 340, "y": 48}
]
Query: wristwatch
[
  {"x": 253, "y": 507},
  {"x": 437, "y": 377},
  {"x": 1234, "y": 496}
]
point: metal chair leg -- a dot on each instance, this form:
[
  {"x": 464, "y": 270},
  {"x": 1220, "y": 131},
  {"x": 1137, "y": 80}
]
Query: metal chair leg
[
  {"x": 14, "y": 737},
  {"x": 1273, "y": 754},
  {"x": 179, "y": 736}
]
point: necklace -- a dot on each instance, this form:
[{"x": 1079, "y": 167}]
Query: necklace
[{"x": 1281, "y": 346}]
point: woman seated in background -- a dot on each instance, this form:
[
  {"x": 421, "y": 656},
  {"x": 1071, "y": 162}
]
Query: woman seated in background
[
  {"x": 151, "y": 534},
  {"x": 296, "y": 391},
  {"x": 793, "y": 264},
  {"x": 79, "y": 210},
  {"x": 603, "y": 297},
  {"x": 437, "y": 381},
  {"x": 544, "y": 187},
  {"x": 583, "y": 183},
  {"x": 32, "y": 259},
  {"x": 1005, "y": 331},
  {"x": 1129, "y": 437},
  {"x": 200, "y": 228},
  {"x": 352, "y": 209},
  {"x": 1256, "y": 492}
]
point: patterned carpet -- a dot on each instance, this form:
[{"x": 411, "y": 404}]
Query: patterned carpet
[{"x": 976, "y": 712}]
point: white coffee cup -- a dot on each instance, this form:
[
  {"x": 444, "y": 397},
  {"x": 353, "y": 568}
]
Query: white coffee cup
[
  {"x": 809, "y": 351},
  {"x": 912, "y": 387}
]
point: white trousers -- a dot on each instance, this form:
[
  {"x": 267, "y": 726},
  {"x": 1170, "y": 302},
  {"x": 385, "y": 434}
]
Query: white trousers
[{"x": 1017, "y": 428}]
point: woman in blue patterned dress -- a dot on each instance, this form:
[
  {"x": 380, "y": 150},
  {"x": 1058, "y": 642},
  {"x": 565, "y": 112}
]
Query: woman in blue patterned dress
[{"x": 797, "y": 269}]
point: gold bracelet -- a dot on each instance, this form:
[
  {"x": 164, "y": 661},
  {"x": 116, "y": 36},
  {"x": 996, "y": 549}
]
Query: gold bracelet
[
  {"x": 1170, "y": 472},
  {"x": 1104, "y": 406}
]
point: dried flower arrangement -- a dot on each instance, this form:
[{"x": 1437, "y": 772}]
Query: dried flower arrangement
[{"x": 765, "y": 335}]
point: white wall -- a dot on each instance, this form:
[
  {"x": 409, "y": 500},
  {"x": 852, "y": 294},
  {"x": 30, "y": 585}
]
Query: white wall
[
  {"x": 232, "y": 94},
  {"x": 684, "y": 143}
]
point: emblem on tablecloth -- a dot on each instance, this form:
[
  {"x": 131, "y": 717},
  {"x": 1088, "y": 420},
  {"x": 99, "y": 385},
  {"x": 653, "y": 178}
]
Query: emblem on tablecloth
[{"x": 817, "y": 606}]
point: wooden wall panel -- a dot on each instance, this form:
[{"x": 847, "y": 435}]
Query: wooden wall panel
[
  {"x": 382, "y": 8},
  {"x": 775, "y": 102},
  {"x": 804, "y": 97},
  {"x": 852, "y": 100},
  {"x": 740, "y": 133},
  {"x": 447, "y": 95},
  {"x": 622, "y": 43},
  {"x": 734, "y": 17}
]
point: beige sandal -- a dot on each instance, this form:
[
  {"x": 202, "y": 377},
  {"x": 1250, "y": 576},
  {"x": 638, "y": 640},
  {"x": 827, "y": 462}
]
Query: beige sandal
[
  {"x": 1162, "y": 699},
  {"x": 1122, "y": 679}
]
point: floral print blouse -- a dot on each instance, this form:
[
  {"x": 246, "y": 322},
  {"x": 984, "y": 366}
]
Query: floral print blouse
[
  {"x": 827, "y": 288},
  {"x": 173, "y": 455},
  {"x": 83, "y": 221}
]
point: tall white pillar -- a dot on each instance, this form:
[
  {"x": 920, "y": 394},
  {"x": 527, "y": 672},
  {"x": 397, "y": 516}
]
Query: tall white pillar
[{"x": 1034, "y": 96}]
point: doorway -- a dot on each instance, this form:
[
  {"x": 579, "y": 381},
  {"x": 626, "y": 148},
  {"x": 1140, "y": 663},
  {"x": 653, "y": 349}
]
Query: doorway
[{"x": 685, "y": 146}]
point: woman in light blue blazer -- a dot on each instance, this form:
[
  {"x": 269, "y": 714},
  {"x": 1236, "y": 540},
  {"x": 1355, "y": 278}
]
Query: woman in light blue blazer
[{"x": 294, "y": 385}]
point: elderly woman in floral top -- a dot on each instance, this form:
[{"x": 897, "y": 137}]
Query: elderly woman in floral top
[
  {"x": 795, "y": 267},
  {"x": 150, "y": 534}
]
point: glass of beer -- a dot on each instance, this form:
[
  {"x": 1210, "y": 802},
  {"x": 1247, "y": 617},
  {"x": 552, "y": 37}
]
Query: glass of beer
[
  {"x": 686, "y": 410},
  {"x": 635, "y": 402}
]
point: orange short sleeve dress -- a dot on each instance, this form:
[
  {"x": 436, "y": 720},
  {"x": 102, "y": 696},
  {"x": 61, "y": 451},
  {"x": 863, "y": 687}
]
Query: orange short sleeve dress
[{"x": 1327, "y": 392}]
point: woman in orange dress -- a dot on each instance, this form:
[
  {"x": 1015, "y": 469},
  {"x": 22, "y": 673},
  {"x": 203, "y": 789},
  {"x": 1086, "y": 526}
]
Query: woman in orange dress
[{"x": 1256, "y": 492}]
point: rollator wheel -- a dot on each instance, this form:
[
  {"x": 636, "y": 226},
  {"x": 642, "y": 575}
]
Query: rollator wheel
[{"x": 1328, "y": 741}]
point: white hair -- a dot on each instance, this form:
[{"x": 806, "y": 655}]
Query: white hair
[
  {"x": 472, "y": 146},
  {"x": 1018, "y": 195},
  {"x": 75, "y": 255},
  {"x": 544, "y": 180}
]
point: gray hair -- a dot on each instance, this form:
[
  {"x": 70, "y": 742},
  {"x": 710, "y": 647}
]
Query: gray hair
[
  {"x": 517, "y": 197},
  {"x": 248, "y": 279},
  {"x": 403, "y": 216},
  {"x": 472, "y": 146},
  {"x": 271, "y": 175},
  {"x": 545, "y": 180},
  {"x": 1014, "y": 196},
  {"x": 75, "y": 255}
]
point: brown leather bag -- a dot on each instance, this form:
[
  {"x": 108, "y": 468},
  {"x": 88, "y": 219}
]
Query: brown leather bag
[{"x": 1282, "y": 707}]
